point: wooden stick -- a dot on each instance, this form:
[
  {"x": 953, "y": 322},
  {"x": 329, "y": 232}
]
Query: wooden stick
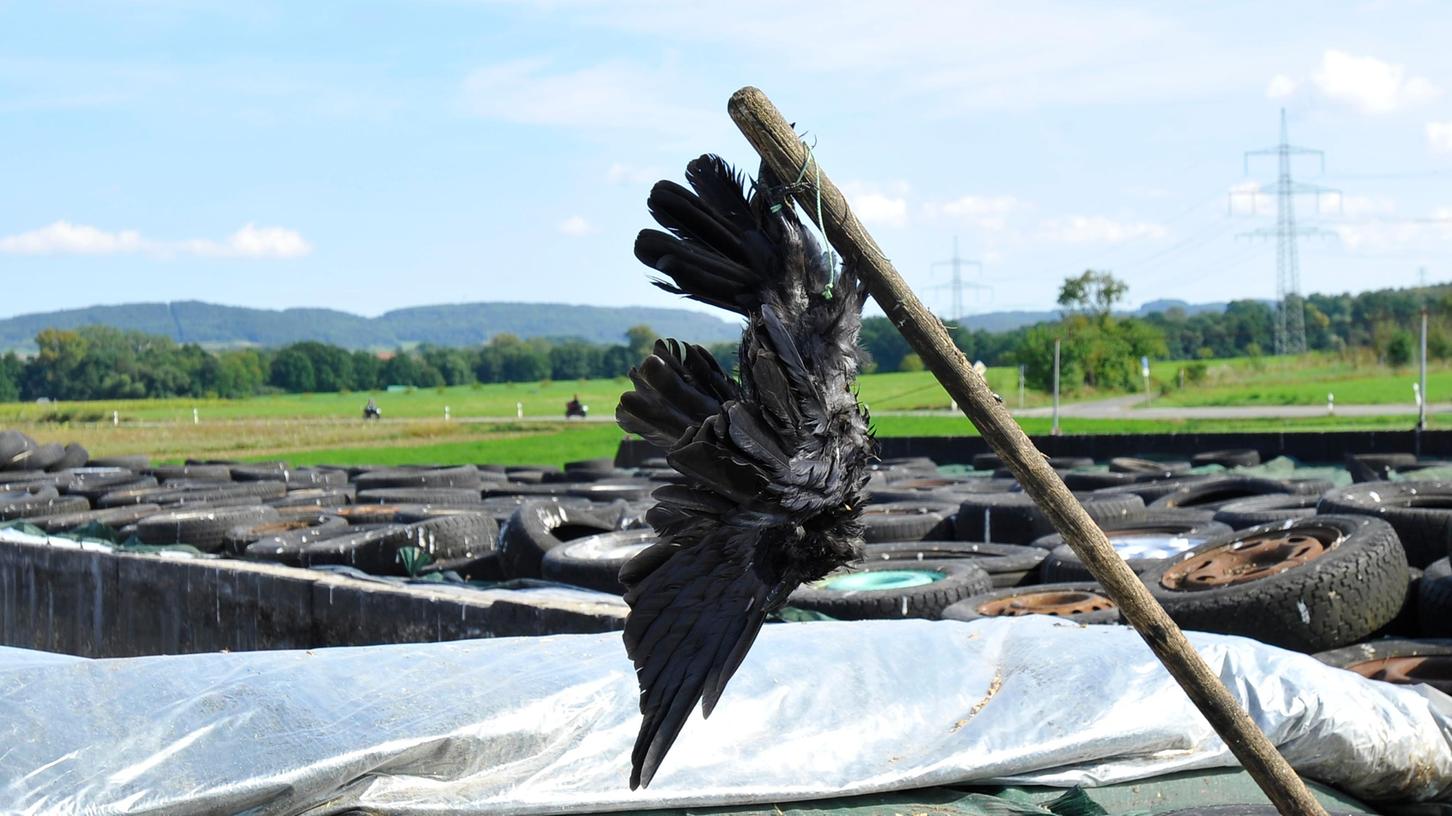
[{"x": 781, "y": 148}]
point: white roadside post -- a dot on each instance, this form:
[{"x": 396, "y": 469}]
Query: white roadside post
[
  {"x": 1144, "y": 372},
  {"x": 196, "y": 417},
  {"x": 446, "y": 413},
  {"x": 1330, "y": 403},
  {"x": 1055, "y": 430},
  {"x": 519, "y": 410},
  {"x": 115, "y": 418},
  {"x": 1422, "y": 392}
]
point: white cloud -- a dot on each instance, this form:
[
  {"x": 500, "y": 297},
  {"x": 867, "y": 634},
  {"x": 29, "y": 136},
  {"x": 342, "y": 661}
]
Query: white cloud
[
  {"x": 1280, "y": 87},
  {"x": 1439, "y": 136},
  {"x": 875, "y": 207},
  {"x": 253, "y": 241},
  {"x": 1390, "y": 233},
  {"x": 1369, "y": 84},
  {"x": 1097, "y": 229},
  {"x": 65, "y": 238},
  {"x": 576, "y": 227}
]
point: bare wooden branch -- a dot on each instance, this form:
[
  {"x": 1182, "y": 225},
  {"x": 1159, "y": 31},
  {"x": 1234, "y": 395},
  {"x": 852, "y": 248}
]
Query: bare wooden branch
[{"x": 781, "y": 148}]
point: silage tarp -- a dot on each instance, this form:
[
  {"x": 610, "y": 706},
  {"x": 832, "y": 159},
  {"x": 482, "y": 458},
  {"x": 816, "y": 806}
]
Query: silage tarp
[{"x": 545, "y": 725}]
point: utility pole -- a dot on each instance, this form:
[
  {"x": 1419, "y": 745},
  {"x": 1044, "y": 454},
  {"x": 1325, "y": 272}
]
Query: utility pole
[
  {"x": 1290, "y": 337},
  {"x": 958, "y": 284}
]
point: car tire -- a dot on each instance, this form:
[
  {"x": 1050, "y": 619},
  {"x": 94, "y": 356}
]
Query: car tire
[
  {"x": 1307, "y": 584},
  {"x": 594, "y": 562},
  {"x": 892, "y": 590},
  {"x": 1007, "y": 565},
  {"x": 1401, "y": 661},
  {"x": 1421, "y": 513},
  {"x": 1254, "y": 510},
  {"x": 1175, "y": 536},
  {"x": 200, "y": 527},
  {"x": 538, "y": 527},
  {"x": 1014, "y": 518},
  {"x": 1082, "y": 602}
]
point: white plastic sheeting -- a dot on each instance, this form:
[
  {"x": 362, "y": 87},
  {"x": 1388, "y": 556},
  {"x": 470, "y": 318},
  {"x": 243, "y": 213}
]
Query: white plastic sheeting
[{"x": 535, "y": 725}]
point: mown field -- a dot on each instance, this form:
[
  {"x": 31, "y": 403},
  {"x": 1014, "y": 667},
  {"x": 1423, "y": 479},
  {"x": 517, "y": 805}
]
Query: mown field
[
  {"x": 327, "y": 428},
  {"x": 1302, "y": 380}
]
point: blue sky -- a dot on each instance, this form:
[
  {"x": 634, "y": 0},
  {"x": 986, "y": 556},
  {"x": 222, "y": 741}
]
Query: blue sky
[{"x": 367, "y": 156}]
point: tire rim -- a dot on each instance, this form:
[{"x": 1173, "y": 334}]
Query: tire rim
[
  {"x": 1251, "y": 558},
  {"x": 1061, "y": 603},
  {"x": 879, "y": 580},
  {"x": 1158, "y": 542},
  {"x": 1435, "y": 670},
  {"x": 611, "y": 547}
]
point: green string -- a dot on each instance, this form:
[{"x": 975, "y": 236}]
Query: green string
[{"x": 827, "y": 254}]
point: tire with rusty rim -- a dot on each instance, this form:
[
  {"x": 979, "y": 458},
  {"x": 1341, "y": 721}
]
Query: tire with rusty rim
[
  {"x": 887, "y": 589},
  {"x": 1305, "y": 584},
  {"x": 1078, "y": 601},
  {"x": 1400, "y": 661},
  {"x": 1421, "y": 513}
]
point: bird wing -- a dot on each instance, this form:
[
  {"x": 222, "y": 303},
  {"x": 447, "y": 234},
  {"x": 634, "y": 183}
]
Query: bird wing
[{"x": 696, "y": 607}]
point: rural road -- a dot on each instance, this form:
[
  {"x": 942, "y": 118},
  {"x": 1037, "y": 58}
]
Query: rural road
[{"x": 1131, "y": 407}]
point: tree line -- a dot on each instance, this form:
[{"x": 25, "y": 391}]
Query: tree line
[
  {"x": 1102, "y": 349},
  {"x": 99, "y": 362},
  {"x": 1098, "y": 349}
]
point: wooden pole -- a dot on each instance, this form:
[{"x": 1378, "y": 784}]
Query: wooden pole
[{"x": 780, "y": 147}]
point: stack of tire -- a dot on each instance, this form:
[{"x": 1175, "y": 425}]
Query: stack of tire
[
  {"x": 1293, "y": 562},
  {"x": 384, "y": 521}
]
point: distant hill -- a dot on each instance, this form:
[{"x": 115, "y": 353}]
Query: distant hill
[
  {"x": 460, "y": 324},
  {"x": 1008, "y": 321}
]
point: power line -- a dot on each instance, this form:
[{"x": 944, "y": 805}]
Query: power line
[
  {"x": 1290, "y": 335},
  {"x": 957, "y": 283}
]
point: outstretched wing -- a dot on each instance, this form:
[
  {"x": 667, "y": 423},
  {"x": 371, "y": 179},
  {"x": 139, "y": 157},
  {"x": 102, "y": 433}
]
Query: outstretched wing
[{"x": 696, "y": 607}]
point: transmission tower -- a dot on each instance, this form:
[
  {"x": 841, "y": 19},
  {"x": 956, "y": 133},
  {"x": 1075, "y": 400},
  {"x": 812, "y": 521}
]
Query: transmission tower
[
  {"x": 1290, "y": 307},
  {"x": 957, "y": 284}
]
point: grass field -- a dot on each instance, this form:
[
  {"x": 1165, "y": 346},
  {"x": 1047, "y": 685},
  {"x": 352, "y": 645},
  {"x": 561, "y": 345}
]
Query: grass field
[
  {"x": 1303, "y": 380},
  {"x": 902, "y": 391},
  {"x": 327, "y": 428}
]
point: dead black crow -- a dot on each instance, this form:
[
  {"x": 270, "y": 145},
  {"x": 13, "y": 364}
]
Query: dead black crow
[{"x": 774, "y": 464}]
